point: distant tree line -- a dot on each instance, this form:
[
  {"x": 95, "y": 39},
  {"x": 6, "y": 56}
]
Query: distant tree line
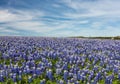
[{"x": 114, "y": 38}]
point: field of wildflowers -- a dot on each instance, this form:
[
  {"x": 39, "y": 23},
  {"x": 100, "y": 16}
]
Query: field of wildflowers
[{"x": 34, "y": 60}]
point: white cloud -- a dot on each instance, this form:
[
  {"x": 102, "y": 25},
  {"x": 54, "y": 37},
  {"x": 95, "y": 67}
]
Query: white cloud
[
  {"x": 18, "y": 15},
  {"x": 104, "y": 8},
  {"x": 19, "y": 20},
  {"x": 3, "y": 29},
  {"x": 39, "y": 26},
  {"x": 6, "y": 16},
  {"x": 82, "y": 22},
  {"x": 25, "y": 25}
]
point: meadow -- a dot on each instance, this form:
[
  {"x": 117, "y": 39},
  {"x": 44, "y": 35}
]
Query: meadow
[{"x": 42, "y": 60}]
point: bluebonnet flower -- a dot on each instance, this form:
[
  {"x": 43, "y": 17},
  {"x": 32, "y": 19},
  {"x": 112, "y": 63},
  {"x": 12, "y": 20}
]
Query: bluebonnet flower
[
  {"x": 70, "y": 74},
  {"x": 49, "y": 74},
  {"x": 19, "y": 77},
  {"x": 14, "y": 77},
  {"x": 65, "y": 66},
  {"x": 61, "y": 82},
  {"x": 49, "y": 65},
  {"x": 65, "y": 76},
  {"x": 38, "y": 71},
  {"x": 33, "y": 70},
  {"x": 1, "y": 78},
  {"x": 20, "y": 72},
  {"x": 78, "y": 75},
  {"x": 75, "y": 71},
  {"x": 28, "y": 70},
  {"x": 107, "y": 80},
  {"x": 115, "y": 70},
  {"x": 25, "y": 71},
  {"x": 58, "y": 71},
  {"x": 75, "y": 77}
]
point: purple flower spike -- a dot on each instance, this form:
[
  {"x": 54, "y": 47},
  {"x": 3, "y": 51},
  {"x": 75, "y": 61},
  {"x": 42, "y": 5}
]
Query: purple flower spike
[
  {"x": 1, "y": 78},
  {"x": 49, "y": 74},
  {"x": 65, "y": 76}
]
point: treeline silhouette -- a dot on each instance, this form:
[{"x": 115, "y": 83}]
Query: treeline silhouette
[{"x": 114, "y": 38}]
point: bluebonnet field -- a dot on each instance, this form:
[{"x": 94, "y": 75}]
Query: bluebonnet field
[{"x": 33, "y": 60}]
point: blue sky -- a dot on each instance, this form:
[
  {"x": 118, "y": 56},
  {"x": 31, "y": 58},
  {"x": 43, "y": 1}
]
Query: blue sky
[{"x": 59, "y": 18}]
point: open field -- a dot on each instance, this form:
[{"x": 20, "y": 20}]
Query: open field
[{"x": 35, "y": 60}]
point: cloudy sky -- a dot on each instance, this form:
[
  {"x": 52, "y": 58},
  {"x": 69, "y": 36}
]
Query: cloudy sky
[{"x": 59, "y": 18}]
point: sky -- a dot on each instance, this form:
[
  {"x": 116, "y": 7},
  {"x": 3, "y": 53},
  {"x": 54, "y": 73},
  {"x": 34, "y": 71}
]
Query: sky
[{"x": 59, "y": 18}]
